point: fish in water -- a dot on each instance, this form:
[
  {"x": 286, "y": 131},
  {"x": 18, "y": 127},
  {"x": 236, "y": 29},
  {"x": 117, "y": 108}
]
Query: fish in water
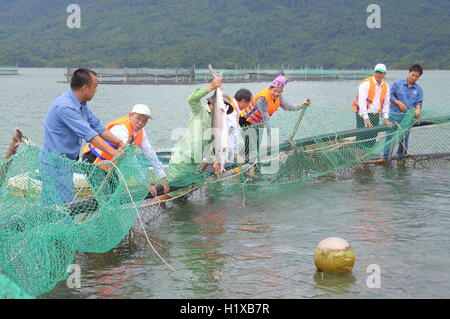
[{"x": 219, "y": 138}]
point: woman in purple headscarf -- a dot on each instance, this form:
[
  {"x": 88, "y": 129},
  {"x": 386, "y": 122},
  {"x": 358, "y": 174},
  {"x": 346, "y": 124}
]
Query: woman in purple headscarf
[
  {"x": 264, "y": 105},
  {"x": 267, "y": 102}
]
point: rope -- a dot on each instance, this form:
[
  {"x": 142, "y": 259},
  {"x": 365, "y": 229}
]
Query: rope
[{"x": 139, "y": 216}]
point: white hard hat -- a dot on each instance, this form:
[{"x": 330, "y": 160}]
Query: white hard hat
[
  {"x": 141, "y": 109},
  {"x": 380, "y": 68}
]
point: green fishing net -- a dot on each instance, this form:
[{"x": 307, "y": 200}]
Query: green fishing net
[
  {"x": 9, "y": 290},
  {"x": 51, "y": 207}
]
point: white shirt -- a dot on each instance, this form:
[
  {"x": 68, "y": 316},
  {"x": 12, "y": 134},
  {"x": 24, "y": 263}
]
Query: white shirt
[
  {"x": 363, "y": 92},
  {"x": 121, "y": 132},
  {"x": 234, "y": 130}
]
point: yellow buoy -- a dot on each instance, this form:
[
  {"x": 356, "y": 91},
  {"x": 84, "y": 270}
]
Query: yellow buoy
[{"x": 334, "y": 255}]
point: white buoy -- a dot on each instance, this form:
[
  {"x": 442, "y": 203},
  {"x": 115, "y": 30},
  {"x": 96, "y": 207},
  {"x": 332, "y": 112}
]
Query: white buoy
[{"x": 334, "y": 255}]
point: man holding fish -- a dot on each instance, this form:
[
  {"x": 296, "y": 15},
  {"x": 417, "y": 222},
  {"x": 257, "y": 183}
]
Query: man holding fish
[{"x": 209, "y": 127}]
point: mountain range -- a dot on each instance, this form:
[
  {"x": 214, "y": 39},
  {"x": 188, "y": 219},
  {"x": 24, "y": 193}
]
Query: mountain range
[{"x": 226, "y": 33}]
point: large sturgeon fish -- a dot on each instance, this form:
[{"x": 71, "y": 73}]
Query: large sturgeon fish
[{"x": 219, "y": 135}]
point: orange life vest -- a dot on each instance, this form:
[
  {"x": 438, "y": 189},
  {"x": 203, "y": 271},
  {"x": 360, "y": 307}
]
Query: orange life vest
[
  {"x": 371, "y": 94},
  {"x": 105, "y": 156},
  {"x": 253, "y": 114}
]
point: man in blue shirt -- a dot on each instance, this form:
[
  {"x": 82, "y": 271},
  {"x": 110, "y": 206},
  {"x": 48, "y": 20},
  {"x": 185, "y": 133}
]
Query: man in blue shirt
[
  {"x": 66, "y": 124},
  {"x": 405, "y": 95}
]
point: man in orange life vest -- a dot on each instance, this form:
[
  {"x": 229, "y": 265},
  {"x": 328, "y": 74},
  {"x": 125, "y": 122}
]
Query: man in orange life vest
[
  {"x": 264, "y": 105},
  {"x": 371, "y": 101},
  {"x": 131, "y": 125}
]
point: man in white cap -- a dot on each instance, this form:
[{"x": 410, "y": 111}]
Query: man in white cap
[
  {"x": 124, "y": 128},
  {"x": 371, "y": 101}
]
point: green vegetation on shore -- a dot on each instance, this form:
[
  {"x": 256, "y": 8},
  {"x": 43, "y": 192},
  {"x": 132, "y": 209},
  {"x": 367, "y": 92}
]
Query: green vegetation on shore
[{"x": 226, "y": 33}]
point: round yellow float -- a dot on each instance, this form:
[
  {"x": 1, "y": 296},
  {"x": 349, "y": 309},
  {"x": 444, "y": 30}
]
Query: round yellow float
[{"x": 334, "y": 255}]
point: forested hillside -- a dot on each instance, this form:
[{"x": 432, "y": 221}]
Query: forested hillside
[{"x": 227, "y": 33}]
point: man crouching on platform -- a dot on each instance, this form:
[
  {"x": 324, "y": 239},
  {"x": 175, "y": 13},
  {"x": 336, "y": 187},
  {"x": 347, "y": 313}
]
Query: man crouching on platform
[{"x": 130, "y": 126}]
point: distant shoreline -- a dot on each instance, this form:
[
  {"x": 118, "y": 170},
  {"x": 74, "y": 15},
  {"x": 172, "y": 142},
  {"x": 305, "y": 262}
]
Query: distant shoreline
[{"x": 112, "y": 68}]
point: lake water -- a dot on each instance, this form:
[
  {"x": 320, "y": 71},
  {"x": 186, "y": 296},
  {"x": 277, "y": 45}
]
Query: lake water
[{"x": 395, "y": 218}]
